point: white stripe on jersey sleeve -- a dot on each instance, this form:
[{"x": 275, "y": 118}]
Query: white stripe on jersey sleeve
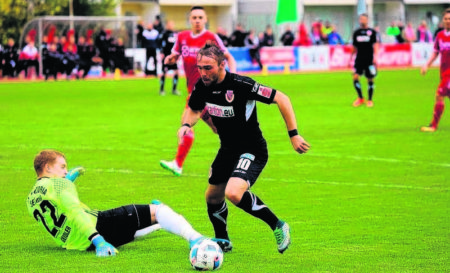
[{"x": 249, "y": 109}]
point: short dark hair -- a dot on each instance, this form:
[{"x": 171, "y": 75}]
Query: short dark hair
[
  {"x": 197, "y": 7},
  {"x": 211, "y": 50},
  {"x": 364, "y": 14},
  {"x": 446, "y": 11}
]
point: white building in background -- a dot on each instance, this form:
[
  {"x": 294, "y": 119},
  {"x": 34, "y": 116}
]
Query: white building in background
[
  {"x": 257, "y": 14},
  {"x": 220, "y": 12}
]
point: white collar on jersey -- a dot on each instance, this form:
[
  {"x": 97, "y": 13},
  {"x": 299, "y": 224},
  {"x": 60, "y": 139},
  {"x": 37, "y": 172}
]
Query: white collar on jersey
[
  {"x": 446, "y": 33},
  {"x": 197, "y": 35}
]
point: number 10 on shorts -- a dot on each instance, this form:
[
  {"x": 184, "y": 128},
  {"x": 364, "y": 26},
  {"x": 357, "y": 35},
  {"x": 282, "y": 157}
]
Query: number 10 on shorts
[{"x": 245, "y": 161}]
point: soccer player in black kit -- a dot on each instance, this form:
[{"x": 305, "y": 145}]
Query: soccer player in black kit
[
  {"x": 365, "y": 45},
  {"x": 230, "y": 100},
  {"x": 168, "y": 39}
]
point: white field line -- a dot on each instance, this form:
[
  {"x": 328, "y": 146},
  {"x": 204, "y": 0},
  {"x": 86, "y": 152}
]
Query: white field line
[
  {"x": 373, "y": 158},
  {"x": 336, "y": 183},
  {"x": 337, "y": 156}
]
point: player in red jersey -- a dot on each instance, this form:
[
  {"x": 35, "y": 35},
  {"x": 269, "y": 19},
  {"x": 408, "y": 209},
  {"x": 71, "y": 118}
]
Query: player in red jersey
[
  {"x": 188, "y": 43},
  {"x": 442, "y": 46}
]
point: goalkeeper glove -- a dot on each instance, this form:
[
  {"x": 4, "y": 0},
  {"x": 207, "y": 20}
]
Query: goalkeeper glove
[
  {"x": 73, "y": 174},
  {"x": 103, "y": 248}
]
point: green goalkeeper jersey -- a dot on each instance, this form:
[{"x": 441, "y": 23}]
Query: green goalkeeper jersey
[{"x": 54, "y": 203}]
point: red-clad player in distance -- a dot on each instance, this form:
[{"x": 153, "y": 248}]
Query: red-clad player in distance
[
  {"x": 442, "y": 46},
  {"x": 188, "y": 43}
]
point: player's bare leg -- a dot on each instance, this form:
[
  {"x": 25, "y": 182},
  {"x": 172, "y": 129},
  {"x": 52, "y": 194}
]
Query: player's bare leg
[
  {"x": 370, "y": 91},
  {"x": 175, "y": 83},
  {"x": 161, "y": 83},
  {"x": 437, "y": 114},
  {"x": 237, "y": 191},
  {"x": 357, "y": 85}
]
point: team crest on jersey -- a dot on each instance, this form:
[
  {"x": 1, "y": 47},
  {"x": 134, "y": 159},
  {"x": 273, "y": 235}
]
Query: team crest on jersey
[
  {"x": 264, "y": 91},
  {"x": 369, "y": 32},
  {"x": 229, "y": 96}
]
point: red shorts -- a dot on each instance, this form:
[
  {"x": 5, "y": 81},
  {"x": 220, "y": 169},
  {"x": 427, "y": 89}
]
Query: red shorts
[{"x": 444, "y": 87}]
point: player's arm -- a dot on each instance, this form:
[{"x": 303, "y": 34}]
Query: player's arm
[
  {"x": 430, "y": 61},
  {"x": 231, "y": 62},
  {"x": 376, "y": 47},
  {"x": 287, "y": 112},
  {"x": 171, "y": 59},
  {"x": 83, "y": 222},
  {"x": 189, "y": 119}
]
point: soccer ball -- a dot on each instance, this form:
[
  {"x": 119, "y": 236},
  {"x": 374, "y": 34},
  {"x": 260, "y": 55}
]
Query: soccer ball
[{"x": 206, "y": 255}]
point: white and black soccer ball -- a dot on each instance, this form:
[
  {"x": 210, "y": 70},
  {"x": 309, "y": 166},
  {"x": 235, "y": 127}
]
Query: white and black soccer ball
[{"x": 206, "y": 255}]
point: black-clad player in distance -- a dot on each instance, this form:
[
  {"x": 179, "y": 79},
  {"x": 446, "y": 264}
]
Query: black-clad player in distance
[
  {"x": 365, "y": 45},
  {"x": 168, "y": 39},
  {"x": 230, "y": 100}
]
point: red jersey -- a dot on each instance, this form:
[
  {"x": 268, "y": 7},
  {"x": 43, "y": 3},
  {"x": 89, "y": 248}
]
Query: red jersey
[
  {"x": 442, "y": 46},
  {"x": 187, "y": 45}
]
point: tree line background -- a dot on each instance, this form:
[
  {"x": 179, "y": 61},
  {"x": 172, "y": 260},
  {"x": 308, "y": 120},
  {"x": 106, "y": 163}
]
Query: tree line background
[{"x": 14, "y": 14}]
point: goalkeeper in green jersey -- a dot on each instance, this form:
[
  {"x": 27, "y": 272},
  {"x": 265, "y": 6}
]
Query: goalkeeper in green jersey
[{"x": 53, "y": 203}]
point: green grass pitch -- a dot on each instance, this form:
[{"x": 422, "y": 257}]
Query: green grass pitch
[{"x": 372, "y": 195}]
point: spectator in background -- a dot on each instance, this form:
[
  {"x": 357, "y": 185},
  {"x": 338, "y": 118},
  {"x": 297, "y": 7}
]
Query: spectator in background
[
  {"x": 269, "y": 39},
  {"x": 423, "y": 33},
  {"x": 1, "y": 58},
  {"x": 399, "y": 37},
  {"x": 221, "y": 32},
  {"x": 29, "y": 55},
  {"x": 440, "y": 27},
  {"x": 392, "y": 31},
  {"x": 158, "y": 25},
  {"x": 52, "y": 62},
  {"x": 377, "y": 29},
  {"x": 10, "y": 58},
  {"x": 119, "y": 59},
  {"x": 150, "y": 43},
  {"x": 139, "y": 31},
  {"x": 237, "y": 38},
  {"x": 303, "y": 38},
  {"x": 86, "y": 51},
  {"x": 168, "y": 39},
  {"x": 334, "y": 38},
  {"x": 252, "y": 42},
  {"x": 70, "y": 58},
  {"x": 327, "y": 28},
  {"x": 317, "y": 36},
  {"x": 102, "y": 42},
  {"x": 287, "y": 39},
  {"x": 409, "y": 33}
]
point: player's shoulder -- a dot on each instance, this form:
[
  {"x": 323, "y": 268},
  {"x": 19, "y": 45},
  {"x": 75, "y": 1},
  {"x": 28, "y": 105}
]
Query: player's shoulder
[
  {"x": 184, "y": 34},
  {"x": 237, "y": 79}
]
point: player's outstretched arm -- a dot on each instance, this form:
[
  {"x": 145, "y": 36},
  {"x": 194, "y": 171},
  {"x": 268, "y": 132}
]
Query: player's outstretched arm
[
  {"x": 433, "y": 57},
  {"x": 74, "y": 173},
  {"x": 287, "y": 111},
  {"x": 190, "y": 118},
  {"x": 231, "y": 62},
  {"x": 171, "y": 59}
]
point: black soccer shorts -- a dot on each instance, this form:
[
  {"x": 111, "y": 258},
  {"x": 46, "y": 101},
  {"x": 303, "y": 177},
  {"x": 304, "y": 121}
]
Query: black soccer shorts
[
  {"x": 167, "y": 67},
  {"x": 369, "y": 70},
  {"x": 245, "y": 163},
  {"x": 119, "y": 225}
]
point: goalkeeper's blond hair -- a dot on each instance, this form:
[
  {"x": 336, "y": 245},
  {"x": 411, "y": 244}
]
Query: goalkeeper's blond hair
[{"x": 46, "y": 157}]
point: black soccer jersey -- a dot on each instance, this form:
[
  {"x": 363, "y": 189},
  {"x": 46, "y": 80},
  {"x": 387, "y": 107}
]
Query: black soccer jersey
[
  {"x": 364, "y": 40},
  {"x": 232, "y": 107},
  {"x": 168, "y": 39}
]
